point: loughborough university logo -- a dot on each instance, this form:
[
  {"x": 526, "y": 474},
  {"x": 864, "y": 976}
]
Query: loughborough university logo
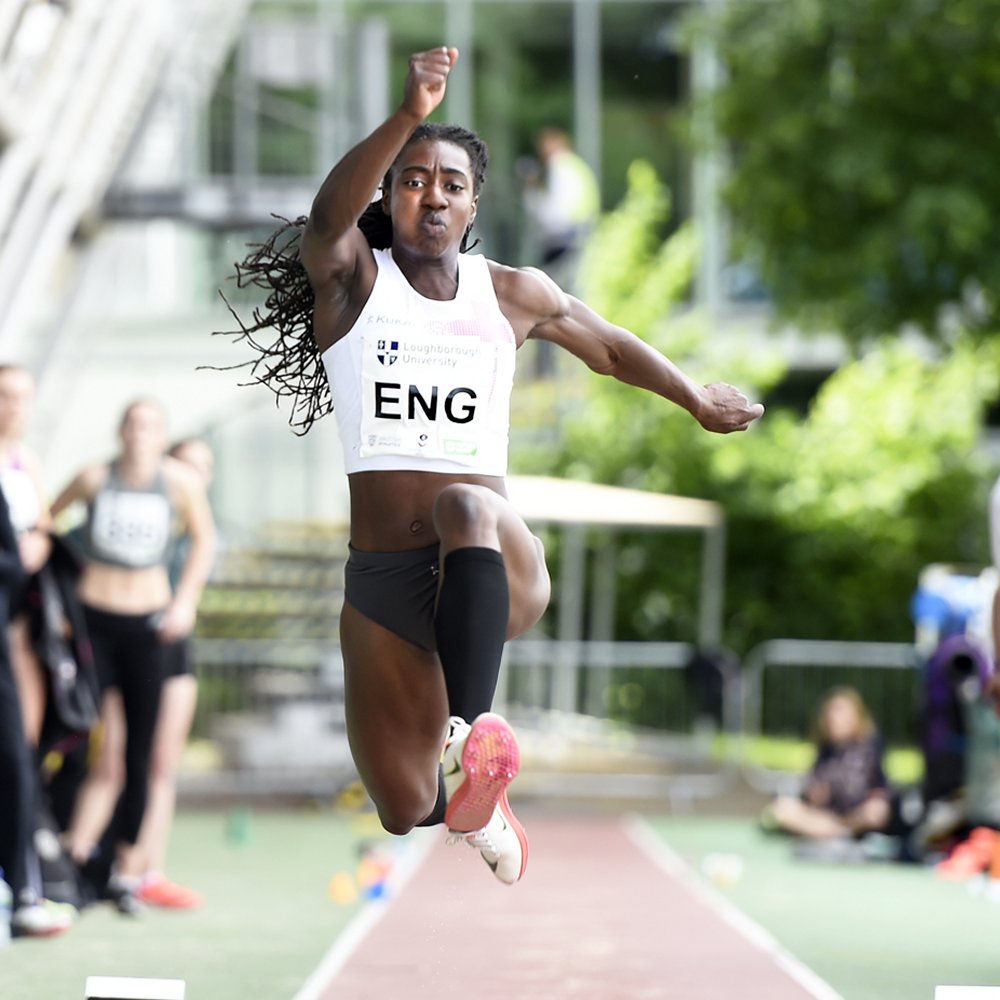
[{"x": 387, "y": 352}]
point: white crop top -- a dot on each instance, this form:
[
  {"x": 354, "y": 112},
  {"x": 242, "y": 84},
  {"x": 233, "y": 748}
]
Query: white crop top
[
  {"x": 129, "y": 526},
  {"x": 423, "y": 384}
]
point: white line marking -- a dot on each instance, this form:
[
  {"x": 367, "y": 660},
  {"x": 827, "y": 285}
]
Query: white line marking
[
  {"x": 350, "y": 938},
  {"x": 967, "y": 993},
  {"x": 675, "y": 866}
]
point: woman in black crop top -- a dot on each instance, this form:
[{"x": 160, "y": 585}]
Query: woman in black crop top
[
  {"x": 442, "y": 571},
  {"x": 134, "y": 505}
]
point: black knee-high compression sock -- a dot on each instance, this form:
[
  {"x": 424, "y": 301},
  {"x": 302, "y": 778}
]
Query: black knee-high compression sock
[
  {"x": 437, "y": 813},
  {"x": 470, "y": 626}
]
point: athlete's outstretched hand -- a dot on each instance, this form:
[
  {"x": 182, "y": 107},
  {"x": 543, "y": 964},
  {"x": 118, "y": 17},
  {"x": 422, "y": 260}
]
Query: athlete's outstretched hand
[
  {"x": 726, "y": 409},
  {"x": 425, "y": 83}
]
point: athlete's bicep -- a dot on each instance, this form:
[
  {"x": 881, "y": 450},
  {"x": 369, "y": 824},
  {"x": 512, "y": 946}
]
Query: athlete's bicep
[
  {"x": 584, "y": 333},
  {"x": 540, "y": 310}
]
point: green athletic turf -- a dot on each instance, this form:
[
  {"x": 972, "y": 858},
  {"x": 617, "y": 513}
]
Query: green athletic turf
[
  {"x": 873, "y": 931},
  {"x": 267, "y": 921}
]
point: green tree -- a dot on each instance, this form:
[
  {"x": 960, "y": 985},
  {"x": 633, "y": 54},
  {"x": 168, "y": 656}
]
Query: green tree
[
  {"x": 864, "y": 137},
  {"x": 832, "y": 515}
]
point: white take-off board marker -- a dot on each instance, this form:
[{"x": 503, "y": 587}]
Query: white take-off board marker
[
  {"x": 967, "y": 993},
  {"x": 126, "y": 988}
]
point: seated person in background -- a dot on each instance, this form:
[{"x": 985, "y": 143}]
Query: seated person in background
[{"x": 846, "y": 792}]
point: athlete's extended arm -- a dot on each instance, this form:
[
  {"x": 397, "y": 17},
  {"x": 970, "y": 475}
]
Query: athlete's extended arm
[
  {"x": 331, "y": 241},
  {"x": 543, "y": 311}
]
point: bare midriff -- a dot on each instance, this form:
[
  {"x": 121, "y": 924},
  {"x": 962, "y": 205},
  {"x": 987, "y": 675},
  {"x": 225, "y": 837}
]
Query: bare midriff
[
  {"x": 124, "y": 591},
  {"x": 394, "y": 511}
]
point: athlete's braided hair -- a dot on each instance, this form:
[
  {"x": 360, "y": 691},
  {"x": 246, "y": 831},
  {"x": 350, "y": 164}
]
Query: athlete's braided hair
[{"x": 289, "y": 364}]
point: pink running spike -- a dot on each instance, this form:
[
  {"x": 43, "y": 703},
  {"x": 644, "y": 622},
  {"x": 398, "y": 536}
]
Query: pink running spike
[{"x": 490, "y": 760}]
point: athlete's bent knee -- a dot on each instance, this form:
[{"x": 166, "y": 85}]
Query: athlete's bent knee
[
  {"x": 461, "y": 507},
  {"x": 162, "y": 773},
  {"x": 396, "y": 826},
  {"x": 400, "y": 822},
  {"x": 400, "y": 814}
]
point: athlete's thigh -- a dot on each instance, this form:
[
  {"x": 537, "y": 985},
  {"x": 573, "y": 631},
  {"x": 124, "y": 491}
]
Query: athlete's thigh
[
  {"x": 527, "y": 574},
  {"x": 394, "y": 699}
]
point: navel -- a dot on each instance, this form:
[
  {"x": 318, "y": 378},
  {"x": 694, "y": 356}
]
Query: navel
[{"x": 416, "y": 527}]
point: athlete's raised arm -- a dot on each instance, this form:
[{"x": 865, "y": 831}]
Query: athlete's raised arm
[{"x": 332, "y": 244}]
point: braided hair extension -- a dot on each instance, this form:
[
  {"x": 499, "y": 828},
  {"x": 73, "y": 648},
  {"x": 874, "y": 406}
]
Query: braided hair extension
[{"x": 290, "y": 364}]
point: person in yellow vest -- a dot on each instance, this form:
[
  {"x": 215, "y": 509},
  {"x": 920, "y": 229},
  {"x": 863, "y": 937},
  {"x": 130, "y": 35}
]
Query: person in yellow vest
[{"x": 563, "y": 203}]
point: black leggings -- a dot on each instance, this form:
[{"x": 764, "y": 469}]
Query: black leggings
[
  {"x": 17, "y": 782},
  {"x": 129, "y": 656}
]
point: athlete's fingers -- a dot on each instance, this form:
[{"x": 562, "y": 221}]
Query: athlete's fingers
[{"x": 437, "y": 63}]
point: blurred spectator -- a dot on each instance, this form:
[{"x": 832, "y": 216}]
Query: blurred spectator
[
  {"x": 846, "y": 792},
  {"x": 134, "y": 503},
  {"x": 173, "y": 724},
  {"x": 31, "y": 916},
  {"x": 21, "y": 482},
  {"x": 563, "y": 200},
  {"x": 994, "y": 524}
]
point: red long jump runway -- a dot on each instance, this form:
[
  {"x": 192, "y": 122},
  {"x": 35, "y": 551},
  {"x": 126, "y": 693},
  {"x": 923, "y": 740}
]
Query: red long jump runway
[{"x": 603, "y": 913}]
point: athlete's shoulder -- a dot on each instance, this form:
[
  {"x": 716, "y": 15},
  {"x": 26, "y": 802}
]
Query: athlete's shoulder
[
  {"x": 524, "y": 283},
  {"x": 528, "y": 292}
]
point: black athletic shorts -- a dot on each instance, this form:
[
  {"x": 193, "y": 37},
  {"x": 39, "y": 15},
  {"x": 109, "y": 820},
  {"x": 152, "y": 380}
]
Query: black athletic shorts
[
  {"x": 178, "y": 658},
  {"x": 127, "y": 650},
  {"x": 397, "y": 590}
]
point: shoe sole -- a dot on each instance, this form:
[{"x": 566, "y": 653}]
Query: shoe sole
[
  {"x": 491, "y": 760},
  {"x": 169, "y": 902},
  {"x": 522, "y": 837},
  {"x": 47, "y": 933}
]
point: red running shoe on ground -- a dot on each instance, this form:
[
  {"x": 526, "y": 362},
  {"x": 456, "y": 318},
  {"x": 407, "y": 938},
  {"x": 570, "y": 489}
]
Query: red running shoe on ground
[
  {"x": 971, "y": 857},
  {"x": 158, "y": 890}
]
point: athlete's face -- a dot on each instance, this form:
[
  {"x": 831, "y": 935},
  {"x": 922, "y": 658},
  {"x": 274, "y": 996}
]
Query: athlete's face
[
  {"x": 17, "y": 392},
  {"x": 199, "y": 456},
  {"x": 431, "y": 201},
  {"x": 144, "y": 431}
]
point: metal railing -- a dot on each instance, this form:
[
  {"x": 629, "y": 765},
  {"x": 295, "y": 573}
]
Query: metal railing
[
  {"x": 784, "y": 681},
  {"x": 273, "y": 710},
  {"x": 625, "y": 712},
  {"x": 612, "y": 720}
]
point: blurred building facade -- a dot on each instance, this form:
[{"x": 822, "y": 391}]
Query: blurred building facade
[{"x": 146, "y": 142}]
